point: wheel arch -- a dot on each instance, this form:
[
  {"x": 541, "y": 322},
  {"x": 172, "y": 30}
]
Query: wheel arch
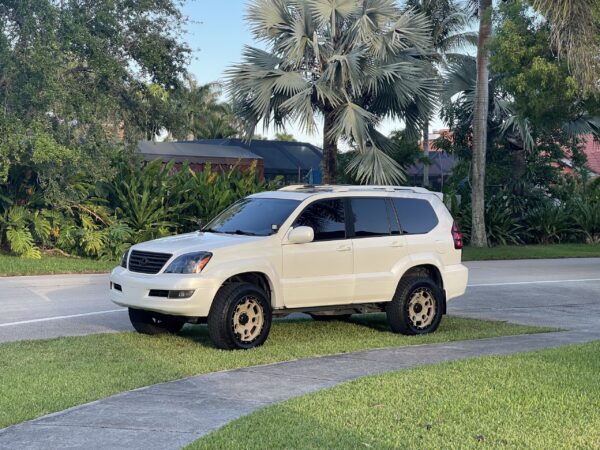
[
  {"x": 257, "y": 278},
  {"x": 430, "y": 271}
]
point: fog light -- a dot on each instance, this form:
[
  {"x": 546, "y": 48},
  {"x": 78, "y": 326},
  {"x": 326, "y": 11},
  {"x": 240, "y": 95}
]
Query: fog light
[{"x": 181, "y": 294}]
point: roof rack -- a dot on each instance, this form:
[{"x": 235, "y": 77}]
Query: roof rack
[{"x": 353, "y": 188}]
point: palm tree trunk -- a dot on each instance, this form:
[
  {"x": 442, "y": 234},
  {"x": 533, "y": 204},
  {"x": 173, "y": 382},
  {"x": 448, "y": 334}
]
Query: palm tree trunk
[
  {"x": 480, "y": 115},
  {"x": 426, "y": 153},
  {"x": 329, "y": 151}
]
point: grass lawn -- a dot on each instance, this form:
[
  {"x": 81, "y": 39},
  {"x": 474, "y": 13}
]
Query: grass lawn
[
  {"x": 532, "y": 252},
  {"x": 13, "y": 265},
  {"x": 39, "y": 377},
  {"x": 547, "y": 400}
]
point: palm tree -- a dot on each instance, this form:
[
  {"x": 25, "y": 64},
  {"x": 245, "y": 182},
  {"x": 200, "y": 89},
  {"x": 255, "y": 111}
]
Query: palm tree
[
  {"x": 202, "y": 114},
  {"x": 448, "y": 21},
  {"x": 350, "y": 62},
  {"x": 574, "y": 33}
]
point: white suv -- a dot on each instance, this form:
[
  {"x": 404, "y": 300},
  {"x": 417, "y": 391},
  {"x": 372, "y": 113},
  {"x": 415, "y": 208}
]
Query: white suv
[{"x": 329, "y": 251}]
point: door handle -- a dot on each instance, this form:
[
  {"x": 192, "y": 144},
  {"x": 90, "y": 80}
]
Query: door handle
[
  {"x": 343, "y": 248},
  {"x": 397, "y": 244}
]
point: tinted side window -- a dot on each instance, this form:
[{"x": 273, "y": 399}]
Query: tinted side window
[
  {"x": 416, "y": 216},
  {"x": 370, "y": 217},
  {"x": 326, "y": 217}
]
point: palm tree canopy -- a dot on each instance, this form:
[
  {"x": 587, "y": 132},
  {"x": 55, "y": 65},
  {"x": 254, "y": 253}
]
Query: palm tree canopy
[
  {"x": 575, "y": 33},
  {"x": 354, "y": 61},
  {"x": 449, "y": 20},
  {"x": 459, "y": 87}
]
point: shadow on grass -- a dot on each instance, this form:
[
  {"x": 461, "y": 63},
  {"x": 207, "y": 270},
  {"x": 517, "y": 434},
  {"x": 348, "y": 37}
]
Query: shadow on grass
[{"x": 376, "y": 322}]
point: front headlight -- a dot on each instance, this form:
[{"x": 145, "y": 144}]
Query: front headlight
[
  {"x": 189, "y": 263},
  {"x": 124, "y": 258}
]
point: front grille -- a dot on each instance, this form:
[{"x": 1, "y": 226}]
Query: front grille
[{"x": 147, "y": 262}]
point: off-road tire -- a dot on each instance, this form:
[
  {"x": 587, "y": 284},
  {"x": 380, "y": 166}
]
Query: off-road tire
[
  {"x": 330, "y": 317},
  {"x": 148, "y": 322},
  {"x": 397, "y": 310},
  {"x": 223, "y": 312}
]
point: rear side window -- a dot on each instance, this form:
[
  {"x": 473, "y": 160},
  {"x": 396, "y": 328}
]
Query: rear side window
[
  {"x": 327, "y": 219},
  {"x": 416, "y": 216},
  {"x": 370, "y": 217}
]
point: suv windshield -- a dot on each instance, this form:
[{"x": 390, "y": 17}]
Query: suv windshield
[{"x": 253, "y": 216}]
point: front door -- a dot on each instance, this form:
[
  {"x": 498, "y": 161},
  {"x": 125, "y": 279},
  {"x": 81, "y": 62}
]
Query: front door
[{"x": 320, "y": 272}]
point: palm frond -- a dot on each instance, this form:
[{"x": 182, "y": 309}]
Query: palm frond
[
  {"x": 353, "y": 122},
  {"x": 574, "y": 33},
  {"x": 374, "y": 165}
]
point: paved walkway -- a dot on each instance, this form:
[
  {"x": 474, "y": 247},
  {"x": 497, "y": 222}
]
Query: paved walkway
[{"x": 170, "y": 415}]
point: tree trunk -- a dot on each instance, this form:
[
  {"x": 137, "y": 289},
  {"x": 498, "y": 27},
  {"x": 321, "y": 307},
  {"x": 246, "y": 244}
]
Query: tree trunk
[
  {"x": 426, "y": 153},
  {"x": 518, "y": 164},
  {"x": 329, "y": 152},
  {"x": 480, "y": 115}
]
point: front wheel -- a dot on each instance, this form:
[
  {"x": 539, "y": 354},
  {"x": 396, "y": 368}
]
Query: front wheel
[
  {"x": 240, "y": 317},
  {"x": 416, "y": 307},
  {"x": 147, "y": 322}
]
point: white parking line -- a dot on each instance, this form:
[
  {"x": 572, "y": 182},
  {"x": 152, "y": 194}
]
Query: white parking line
[
  {"x": 515, "y": 283},
  {"x": 47, "y": 319}
]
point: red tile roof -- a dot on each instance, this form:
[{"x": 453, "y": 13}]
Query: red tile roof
[{"x": 592, "y": 151}]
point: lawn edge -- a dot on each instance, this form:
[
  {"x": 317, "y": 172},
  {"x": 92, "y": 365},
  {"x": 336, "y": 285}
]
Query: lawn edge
[{"x": 534, "y": 330}]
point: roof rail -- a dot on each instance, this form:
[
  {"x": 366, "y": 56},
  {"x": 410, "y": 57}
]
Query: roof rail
[{"x": 347, "y": 188}]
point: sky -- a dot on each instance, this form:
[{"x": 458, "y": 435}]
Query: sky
[{"x": 217, "y": 34}]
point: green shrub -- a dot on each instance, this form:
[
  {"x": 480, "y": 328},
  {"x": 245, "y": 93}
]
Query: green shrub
[
  {"x": 549, "y": 223},
  {"x": 586, "y": 215},
  {"x": 501, "y": 226}
]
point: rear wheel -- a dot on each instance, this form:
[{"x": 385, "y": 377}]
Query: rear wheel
[
  {"x": 416, "y": 307},
  {"x": 240, "y": 317},
  {"x": 147, "y": 322}
]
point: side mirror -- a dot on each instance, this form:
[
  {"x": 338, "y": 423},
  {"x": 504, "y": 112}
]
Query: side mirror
[{"x": 301, "y": 235}]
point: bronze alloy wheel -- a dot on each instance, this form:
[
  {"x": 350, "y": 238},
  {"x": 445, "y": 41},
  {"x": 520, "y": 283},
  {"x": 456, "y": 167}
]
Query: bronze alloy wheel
[
  {"x": 248, "y": 319},
  {"x": 421, "y": 308}
]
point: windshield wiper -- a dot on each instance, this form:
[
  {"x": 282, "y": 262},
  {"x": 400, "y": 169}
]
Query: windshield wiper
[{"x": 240, "y": 232}]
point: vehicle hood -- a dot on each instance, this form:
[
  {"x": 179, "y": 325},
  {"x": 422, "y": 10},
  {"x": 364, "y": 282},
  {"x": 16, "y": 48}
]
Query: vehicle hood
[{"x": 194, "y": 242}]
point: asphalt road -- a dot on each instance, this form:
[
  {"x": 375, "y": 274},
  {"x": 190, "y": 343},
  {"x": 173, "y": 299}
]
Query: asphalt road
[{"x": 562, "y": 293}]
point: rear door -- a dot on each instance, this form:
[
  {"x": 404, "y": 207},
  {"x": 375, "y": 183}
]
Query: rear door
[
  {"x": 320, "y": 272},
  {"x": 378, "y": 246},
  {"x": 417, "y": 220}
]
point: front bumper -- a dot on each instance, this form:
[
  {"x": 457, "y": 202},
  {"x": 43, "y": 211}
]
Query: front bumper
[{"x": 135, "y": 290}]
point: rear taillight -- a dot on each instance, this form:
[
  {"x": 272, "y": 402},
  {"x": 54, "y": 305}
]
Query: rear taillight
[{"x": 457, "y": 237}]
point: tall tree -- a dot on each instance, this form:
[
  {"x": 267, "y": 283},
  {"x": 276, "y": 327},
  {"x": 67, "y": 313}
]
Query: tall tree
[
  {"x": 449, "y": 19},
  {"x": 574, "y": 31},
  {"x": 351, "y": 62},
  {"x": 77, "y": 75},
  {"x": 199, "y": 112},
  {"x": 478, "y": 232}
]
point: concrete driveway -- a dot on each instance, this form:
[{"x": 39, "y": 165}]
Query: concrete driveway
[{"x": 560, "y": 292}]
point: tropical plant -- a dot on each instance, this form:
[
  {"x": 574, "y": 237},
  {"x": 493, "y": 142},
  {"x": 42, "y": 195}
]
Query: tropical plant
[
  {"x": 449, "y": 20},
  {"x": 574, "y": 31},
  {"x": 351, "y": 62},
  {"x": 549, "y": 223},
  {"x": 17, "y": 228},
  {"x": 502, "y": 227},
  {"x": 586, "y": 215},
  {"x": 143, "y": 199},
  {"x": 203, "y": 114}
]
